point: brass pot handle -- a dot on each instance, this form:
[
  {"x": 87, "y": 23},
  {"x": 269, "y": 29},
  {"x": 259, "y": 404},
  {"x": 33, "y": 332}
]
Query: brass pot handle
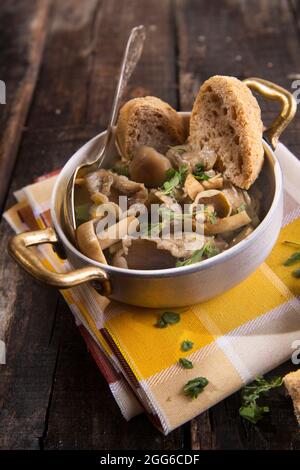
[
  {"x": 288, "y": 103},
  {"x": 19, "y": 249}
]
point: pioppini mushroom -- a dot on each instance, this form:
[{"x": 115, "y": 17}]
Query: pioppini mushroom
[
  {"x": 116, "y": 232},
  {"x": 192, "y": 186},
  {"x": 88, "y": 242},
  {"x": 215, "y": 198},
  {"x": 149, "y": 166},
  {"x": 215, "y": 182},
  {"x": 227, "y": 224}
]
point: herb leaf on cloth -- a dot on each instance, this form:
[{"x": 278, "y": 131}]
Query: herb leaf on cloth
[
  {"x": 194, "y": 387},
  {"x": 185, "y": 363},
  {"x": 292, "y": 259},
  {"x": 186, "y": 345},
  {"x": 167, "y": 318}
]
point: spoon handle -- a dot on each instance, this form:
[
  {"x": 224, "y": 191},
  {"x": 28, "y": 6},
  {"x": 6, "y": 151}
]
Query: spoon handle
[{"x": 131, "y": 57}]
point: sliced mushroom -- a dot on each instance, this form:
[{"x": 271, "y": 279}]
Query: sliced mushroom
[
  {"x": 107, "y": 209},
  {"x": 217, "y": 199},
  {"x": 227, "y": 224},
  {"x": 168, "y": 201},
  {"x": 99, "y": 198},
  {"x": 215, "y": 182},
  {"x": 143, "y": 254},
  {"x": 181, "y": 247},
  {"x": 243, "y": 234},
  {"x": 186, "y": 155},
  {"x": 236, "y": 196},
  {"x": 116, "y": 232},
  {"x": 105, "y": 183},
  {"x": 149, "y": 166},
  {"x": 88, "y": 242},
  {"x": 99, "y": 181},
  {"x": 192, "y": 186},
  {"x": 135, "y": 192}
]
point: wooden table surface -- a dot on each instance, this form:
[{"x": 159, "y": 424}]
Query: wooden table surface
[{"x": 59, "y": 61}]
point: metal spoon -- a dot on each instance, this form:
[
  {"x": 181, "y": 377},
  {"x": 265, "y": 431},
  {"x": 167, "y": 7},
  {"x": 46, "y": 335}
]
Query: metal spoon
[{"x": 131, "y": 57}]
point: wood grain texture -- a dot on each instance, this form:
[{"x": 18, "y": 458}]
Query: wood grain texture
[
  {"x": 23, "y": 33},
  {"x": 241, "y": 39},
  {"x": 71, "y": 102},
  {"x": 231, "y": 37},
  {"x": 51, "y": 393}
]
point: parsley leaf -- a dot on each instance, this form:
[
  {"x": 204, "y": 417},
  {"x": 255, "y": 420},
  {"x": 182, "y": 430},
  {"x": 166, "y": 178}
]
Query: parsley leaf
[
  {"x": 207, "y": 250},
  {"x": 195, "y": 386},
  {"x": 185, "y": 363},
  {"x": 292, "y": 259},
  {"x": 199, "y": 172},
  {"x": 186, "y": 345},
  {"x": 253, "y": 412},
  {"x": 167, "y": 318},
  {"x": 250, "y": 409},
  {"x": 175, "y": 179}
]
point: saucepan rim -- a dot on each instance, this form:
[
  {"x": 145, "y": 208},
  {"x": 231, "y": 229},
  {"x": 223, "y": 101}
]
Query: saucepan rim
[{"x": 177, "y": 271}]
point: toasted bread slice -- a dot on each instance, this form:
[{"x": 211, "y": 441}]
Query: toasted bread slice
[
  {"x": 292, "y": 384},
  {"x": 148, "y": 121},
  {"x": 226, "y": 118}
]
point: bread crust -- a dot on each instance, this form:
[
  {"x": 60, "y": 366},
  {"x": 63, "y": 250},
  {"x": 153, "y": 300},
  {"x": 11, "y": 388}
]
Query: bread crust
[
  {"x": 292, "y": 384},
  {"x": 148, "y": 121},
  {"x": 226, "y": 118}
]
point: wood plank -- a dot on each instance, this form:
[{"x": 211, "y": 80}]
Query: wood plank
[
  {"x": 83, "y": 413},
  {"x": 240, "y": 39},
  {"x": 23, "y": 32},
  {"x": 222, "y": 428},
  {"x": 70, "y": 105},
  {"x": 89, "y": 418}
]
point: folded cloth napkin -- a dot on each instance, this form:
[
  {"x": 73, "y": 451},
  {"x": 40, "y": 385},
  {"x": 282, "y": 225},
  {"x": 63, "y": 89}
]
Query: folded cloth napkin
[{"x": 243, "y": 333}]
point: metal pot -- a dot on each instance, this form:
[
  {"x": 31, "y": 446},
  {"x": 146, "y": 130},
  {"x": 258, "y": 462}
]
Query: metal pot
[{"x": 168, "y": 287}]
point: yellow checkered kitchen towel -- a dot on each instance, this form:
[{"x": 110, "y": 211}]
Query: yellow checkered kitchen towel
[{"x": 241, "y": 334}]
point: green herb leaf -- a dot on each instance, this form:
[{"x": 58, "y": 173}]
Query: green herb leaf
[
  {"x": 253, "y": 412},
  {"x": 167, "y": 318},
  {"x": 199, "y": 172},
  {"x": 195, "y": 386},
  {"x": 292, "y": 259},
  {"x": 185, "y": 363},
  {"x": 207, "y": 250},
  {"x": 186, "y": 345},
  {"x": 296, "y": 273},
  {"x": 176, "y": 178},
  {"x": 250, "y": 409}
]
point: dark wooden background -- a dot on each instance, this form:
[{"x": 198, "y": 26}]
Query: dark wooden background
[{"x": 60, "y": 60}]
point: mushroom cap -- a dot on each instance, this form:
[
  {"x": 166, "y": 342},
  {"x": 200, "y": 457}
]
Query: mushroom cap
[{"x": 149, "y": 166}]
